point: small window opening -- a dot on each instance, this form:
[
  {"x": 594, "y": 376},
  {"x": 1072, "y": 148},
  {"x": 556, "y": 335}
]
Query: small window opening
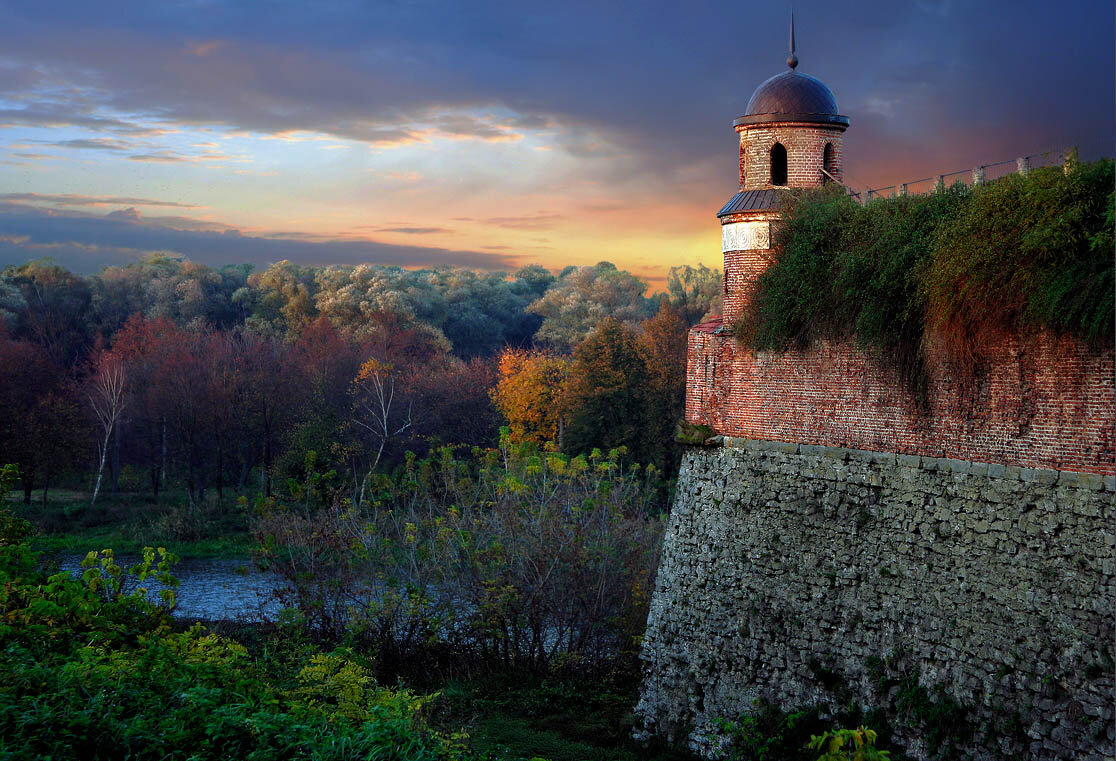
[
  {"x": 778, "y": 164},
  {"x": 828, "y": 163}
]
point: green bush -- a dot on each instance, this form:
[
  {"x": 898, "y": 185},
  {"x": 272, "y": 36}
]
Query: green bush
[
  {"x": 1020, "y": 253},
  {"x": 93, "y": 670},
  {"x": 1027, "y": 251},
  {"x": 849, "y": 745},
  {"x": 768, "y": 734}
]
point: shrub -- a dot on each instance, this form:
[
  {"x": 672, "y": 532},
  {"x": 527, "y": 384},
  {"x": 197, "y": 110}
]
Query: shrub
[
  {"x": 523, "y": 557},
  {"x": 768, "y": 734},
  {"x": 1025, "y": 252},
  {"x": 948, "y": 269},
  {"x": 849, "y": 745},
  {"x": 94, "y": 671}
]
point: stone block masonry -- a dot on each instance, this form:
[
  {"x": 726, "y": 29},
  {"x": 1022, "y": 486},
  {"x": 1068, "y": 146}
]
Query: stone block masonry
[{"x": 787, "y": 562}]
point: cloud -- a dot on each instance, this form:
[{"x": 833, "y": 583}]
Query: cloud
[
  {"x": 130, "y": 214},
  {"x": 86, "y": 242},
  {"x": 540, "y": 221},
  {"x": 463, "y": 126},
  {"x": 401, "y": 176},
  {"x": 581, "y": 75},
  {"x": 414, "y": 230},
  {"x": 70, "y": 114},
  {"x": 92, "y": 144},
  {"x": 203, "y": 49},
  {"x": 76, "y": 199},
  {"x": 174, "y": 157}
]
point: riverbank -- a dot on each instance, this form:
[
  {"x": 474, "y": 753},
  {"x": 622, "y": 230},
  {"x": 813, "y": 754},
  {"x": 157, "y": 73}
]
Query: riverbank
[
  {"x": 114, "y": 537},
  {"x": 67, "y": 523}
]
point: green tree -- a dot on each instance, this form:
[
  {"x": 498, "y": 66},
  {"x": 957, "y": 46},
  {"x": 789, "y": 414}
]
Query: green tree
[
  {"x": 607, "y": 393},
  {"x": 584, "y": 296},
  {"x": 56, "y": 309},
  {"x": 663, "y": 343},
  {"x": 695, "y": 292}
]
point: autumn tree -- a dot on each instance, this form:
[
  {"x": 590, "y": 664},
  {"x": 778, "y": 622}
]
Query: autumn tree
[
  {"x": 148, "y": 347},
  {"x": 478, "y": 312},
  {"x": 325, "y": 361},
  {"x": 606, "y": 394},
  {"x": 272, "y": 398},
  {"x": 377, "y": 410},
  {"x": 189, "y": 293},
  {"x": 280, "y": 300},
  {"x": 453, "y": 405},
  {"x": 41, "y": 427},
  {"x": 529, "y": 395}
]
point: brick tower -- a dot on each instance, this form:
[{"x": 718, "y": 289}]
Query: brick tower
[{"x": 790, "y": 137}]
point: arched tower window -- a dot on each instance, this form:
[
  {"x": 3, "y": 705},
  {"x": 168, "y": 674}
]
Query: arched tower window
[
  {"x": 829, "y": 163},
  {"x": 778, "y": 164}
]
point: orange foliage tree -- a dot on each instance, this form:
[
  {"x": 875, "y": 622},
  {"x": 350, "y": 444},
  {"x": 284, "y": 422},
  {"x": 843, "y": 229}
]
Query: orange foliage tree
[{"x": 529, "y": 395}]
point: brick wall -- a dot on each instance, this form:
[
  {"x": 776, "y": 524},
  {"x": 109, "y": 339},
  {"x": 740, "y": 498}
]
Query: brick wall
[
  {"x": 1045, "y": 402},
  {"x": 743, "y": 267},
  {"x": 741, "y": 270},
  {"x": 805, "y": 144}
]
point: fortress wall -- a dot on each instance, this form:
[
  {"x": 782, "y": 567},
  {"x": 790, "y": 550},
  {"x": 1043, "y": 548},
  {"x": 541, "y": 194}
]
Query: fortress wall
[
  {"x": 787, "y": 568},
  {"x": 1044, "y": 402}
]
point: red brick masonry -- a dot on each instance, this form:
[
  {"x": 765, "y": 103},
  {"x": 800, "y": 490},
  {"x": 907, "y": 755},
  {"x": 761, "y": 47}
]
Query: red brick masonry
[{"x": 1045, "y": 402}]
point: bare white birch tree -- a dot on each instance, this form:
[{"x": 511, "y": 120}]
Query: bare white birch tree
[
  {"x": 374, "y": 389},
  {"x": 107, "y": 397}
]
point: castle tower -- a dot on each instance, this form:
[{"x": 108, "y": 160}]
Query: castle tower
[{"x": 790, "y": 137}]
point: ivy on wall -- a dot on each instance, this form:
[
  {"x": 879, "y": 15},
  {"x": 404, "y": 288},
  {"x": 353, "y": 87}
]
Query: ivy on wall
[{"x": 942, "y": 272}]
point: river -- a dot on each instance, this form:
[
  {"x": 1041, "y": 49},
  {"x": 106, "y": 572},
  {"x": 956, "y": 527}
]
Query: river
[{"x": 212, "y": 588}]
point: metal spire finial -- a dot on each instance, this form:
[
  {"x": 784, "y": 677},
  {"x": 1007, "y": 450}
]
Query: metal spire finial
[{"x": 792, "y": 61}]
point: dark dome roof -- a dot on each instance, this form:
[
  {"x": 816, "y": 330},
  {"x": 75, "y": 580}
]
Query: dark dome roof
[{"x": 791, "y": 96}]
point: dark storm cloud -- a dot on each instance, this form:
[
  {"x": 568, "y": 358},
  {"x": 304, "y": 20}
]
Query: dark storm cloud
[
  {"x": 651, "y": 86},
  {"x": 86, "y": 243}
]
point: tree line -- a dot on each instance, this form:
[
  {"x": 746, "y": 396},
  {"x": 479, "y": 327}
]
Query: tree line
[{"x": 167, "y": 373}]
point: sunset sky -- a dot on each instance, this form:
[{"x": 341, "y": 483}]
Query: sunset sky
[{"x": 492, "y": 135}]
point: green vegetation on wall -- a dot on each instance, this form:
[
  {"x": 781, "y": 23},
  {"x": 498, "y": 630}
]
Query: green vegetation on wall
[{"x": 947, "y": 270}]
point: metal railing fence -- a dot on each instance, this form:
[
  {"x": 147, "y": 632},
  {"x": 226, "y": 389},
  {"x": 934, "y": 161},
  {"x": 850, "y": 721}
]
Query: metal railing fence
[{"x": 976, "y": 175}]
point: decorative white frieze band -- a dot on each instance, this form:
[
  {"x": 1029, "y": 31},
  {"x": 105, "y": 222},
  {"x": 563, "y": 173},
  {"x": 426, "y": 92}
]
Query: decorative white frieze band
[{"x": 744, "y": 236}]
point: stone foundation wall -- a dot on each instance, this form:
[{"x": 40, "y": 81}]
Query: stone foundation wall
[{"x": 789, "y": 567}]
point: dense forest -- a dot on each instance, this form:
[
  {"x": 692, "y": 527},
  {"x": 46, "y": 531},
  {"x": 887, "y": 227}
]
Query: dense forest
[{"x": 170, "y": 374}]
